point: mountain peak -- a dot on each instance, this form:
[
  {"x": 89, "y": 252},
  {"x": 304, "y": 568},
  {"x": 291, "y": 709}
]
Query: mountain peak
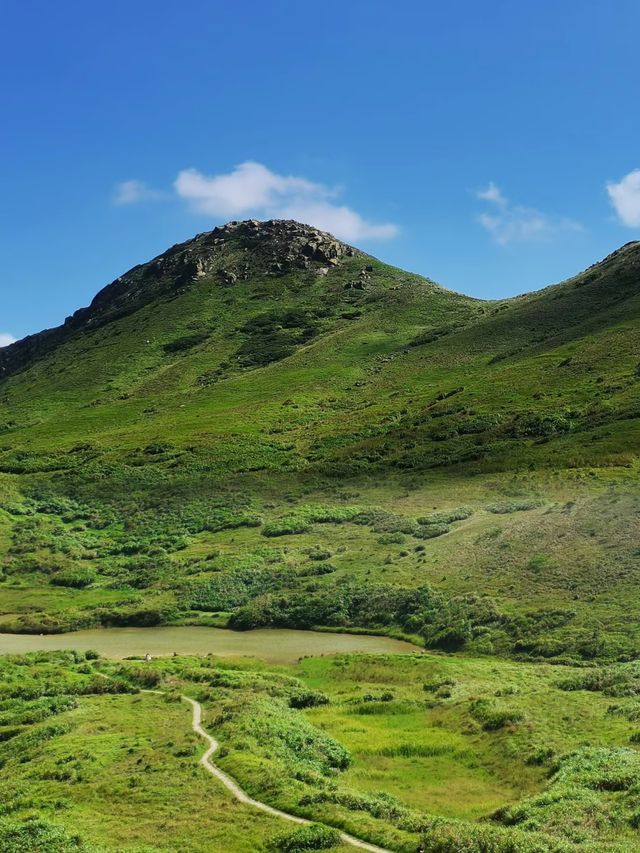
[
  {"x": 621, "y": 252},
  {"x": 228, "y": 253},
  {"x": 277, "y": 245},
  {"x": 237, "y": 251}
]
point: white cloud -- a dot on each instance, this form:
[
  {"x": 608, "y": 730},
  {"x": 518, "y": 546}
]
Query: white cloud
[
  {"x": 492, "y": 193},
  {"x": 339, "y": 220},
  {"x": 625, "y": 198},
  {"x": 251, "y": 189},
  {"x": 250, "y": 186},
  {"x": 6, "y": 339},
  {"x": 515, "y": 223},
  {"x": 132, "y": 192}
]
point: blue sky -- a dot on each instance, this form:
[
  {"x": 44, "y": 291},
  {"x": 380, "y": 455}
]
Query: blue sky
[{"x": 492, "y": 146}]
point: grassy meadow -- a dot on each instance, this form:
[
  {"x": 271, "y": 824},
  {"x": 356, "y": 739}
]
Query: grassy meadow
[
  {"x": 395, "y": 749},
  {"x": 265, "y": 428}
]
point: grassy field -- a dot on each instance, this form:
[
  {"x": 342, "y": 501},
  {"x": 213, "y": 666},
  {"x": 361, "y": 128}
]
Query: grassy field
[
  {"x": 541, "y": 564},
  {"x": 266, "y": 428},
  {"x": 394, "y": 749}
]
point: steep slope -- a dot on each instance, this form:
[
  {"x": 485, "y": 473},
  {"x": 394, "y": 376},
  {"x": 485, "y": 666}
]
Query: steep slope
[
  {"x": 245, "y": 322},
  {"x": 460, "y": 470},
  {"x": 240, "y": 250},
  {"x": 202, "y": 327}
]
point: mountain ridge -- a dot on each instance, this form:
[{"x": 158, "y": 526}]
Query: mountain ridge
[
  {"x": 286, "y": 245},
  {"x": 238, "y": 321}
]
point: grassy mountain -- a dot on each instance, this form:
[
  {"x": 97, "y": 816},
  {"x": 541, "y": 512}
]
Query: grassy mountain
[
  {"x": 212, "y": 340},
  {"x": 264, "y": 425}
]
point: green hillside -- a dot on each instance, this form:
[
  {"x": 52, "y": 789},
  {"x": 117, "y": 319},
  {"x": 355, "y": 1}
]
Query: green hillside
[{"x": 264, "y": 426}]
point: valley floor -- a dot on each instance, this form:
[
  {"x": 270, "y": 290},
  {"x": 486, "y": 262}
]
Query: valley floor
[{"x": 451, "y": 752}]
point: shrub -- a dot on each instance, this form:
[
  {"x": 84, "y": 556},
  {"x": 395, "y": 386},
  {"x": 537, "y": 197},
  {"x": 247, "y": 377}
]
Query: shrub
[
  {"x": 616, "y": 681},
  {"x": 303, "y": 698},
  {"x": 301, "y": 520},
  {"x": 185, "y": 342},
  {"x": 236, "y": 588},
  {"x": 391, "y": 539},
  {"x": 275, "y": 335},
  {"x": 450, "y": 836},
  {"x": 317, "y": 571},
  {"x": 313, "y": 837},
  {"x": 507, "y": 506},
  {"x": 380, "y": 805},
  {"x": 74, "y": 578},
  {"x": 431, "y": 531},
  {"x": 435, "y": 686},
  {"x": 38, "y": 835},
  {"x": 538, "y": 426},
  {"x": 141, "y": 676},
  {"x": 492, "y": 718},
  {"x": 447, "y": 516},
  {"x": 318, "y": 553}
]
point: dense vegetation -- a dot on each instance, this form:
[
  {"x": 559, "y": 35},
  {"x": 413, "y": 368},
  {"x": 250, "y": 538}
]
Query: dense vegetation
[
  {"x": 263, "y": 395},
  {"x": 264, "y": 427},
  {"x": 400, "y": 750}
]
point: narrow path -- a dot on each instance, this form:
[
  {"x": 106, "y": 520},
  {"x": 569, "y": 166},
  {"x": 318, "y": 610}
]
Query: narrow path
[{"x": 232, "y": 786}]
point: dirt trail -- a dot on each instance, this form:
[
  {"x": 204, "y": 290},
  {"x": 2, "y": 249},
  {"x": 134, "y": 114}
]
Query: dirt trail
[{"x": 232, "y": 786}]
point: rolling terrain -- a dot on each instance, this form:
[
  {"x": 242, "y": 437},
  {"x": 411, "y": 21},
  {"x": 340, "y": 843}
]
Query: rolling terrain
[
  {"x": 264, "y": 409},
  {"x": 265, "y": 427}
]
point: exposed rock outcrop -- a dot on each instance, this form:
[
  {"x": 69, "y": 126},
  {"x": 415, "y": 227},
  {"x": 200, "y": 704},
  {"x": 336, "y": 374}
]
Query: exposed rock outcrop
[{"x": 227, "y": 254}]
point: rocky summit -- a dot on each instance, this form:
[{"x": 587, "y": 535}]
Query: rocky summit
[{"x": 229, "y": 253}]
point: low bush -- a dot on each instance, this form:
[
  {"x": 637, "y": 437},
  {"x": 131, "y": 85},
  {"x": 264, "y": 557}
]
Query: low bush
[
  {"x": 492, "y": 718},
  {"x": 74, "y": 578},
  {"x": 304, "y": 517},
  {"x": 431, "y": 531},
  {"x": 379, "y": 805},
  {"x": 38, "y": 835},
  {"x": 185, "y": 342},
  {"x": 313, "y": 837},
  {"x": 450, "y": 836},
  {"x": 508, "y": 506},
  {"x": 235, "y": 588},
  {"x": 447, "y": 516}
]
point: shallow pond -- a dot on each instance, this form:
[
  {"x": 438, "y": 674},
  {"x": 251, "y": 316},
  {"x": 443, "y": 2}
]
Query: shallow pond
[{"x": 273, "y": 645}]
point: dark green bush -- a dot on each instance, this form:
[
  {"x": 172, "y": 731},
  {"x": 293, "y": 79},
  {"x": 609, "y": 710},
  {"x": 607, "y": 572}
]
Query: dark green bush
[
  {"x": 312, "y": 837},
  {"x": 74, "y": 578},
  {"x": 38, "y": 836},
  {"x": 492, "y": 718},
  {"x": 459, "y": 837},
  {"x": 185, "y": 342},
  {"x": 507, "y": 506}
]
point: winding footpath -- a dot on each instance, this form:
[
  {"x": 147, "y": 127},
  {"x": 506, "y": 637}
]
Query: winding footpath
[{"x": 235, "y": 789}]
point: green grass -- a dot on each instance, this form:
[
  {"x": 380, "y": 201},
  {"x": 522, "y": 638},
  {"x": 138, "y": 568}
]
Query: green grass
[
  {"x": 222, "y": 440},
  {"x": 119, "y": 769}
]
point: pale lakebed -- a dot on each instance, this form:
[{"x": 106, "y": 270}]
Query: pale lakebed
[{"x": 274, "y": 645}]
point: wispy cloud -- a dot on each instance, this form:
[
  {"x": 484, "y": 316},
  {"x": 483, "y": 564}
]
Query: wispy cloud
[
  {"x": 515, "y": 223},
  {"x": 6, "y": 339},
  {"x": 492, "y": 193},
  {"x": 625, "y": 198},
  {"x": 132, "y": 192},
  {"x": 252, "y": 190}
]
